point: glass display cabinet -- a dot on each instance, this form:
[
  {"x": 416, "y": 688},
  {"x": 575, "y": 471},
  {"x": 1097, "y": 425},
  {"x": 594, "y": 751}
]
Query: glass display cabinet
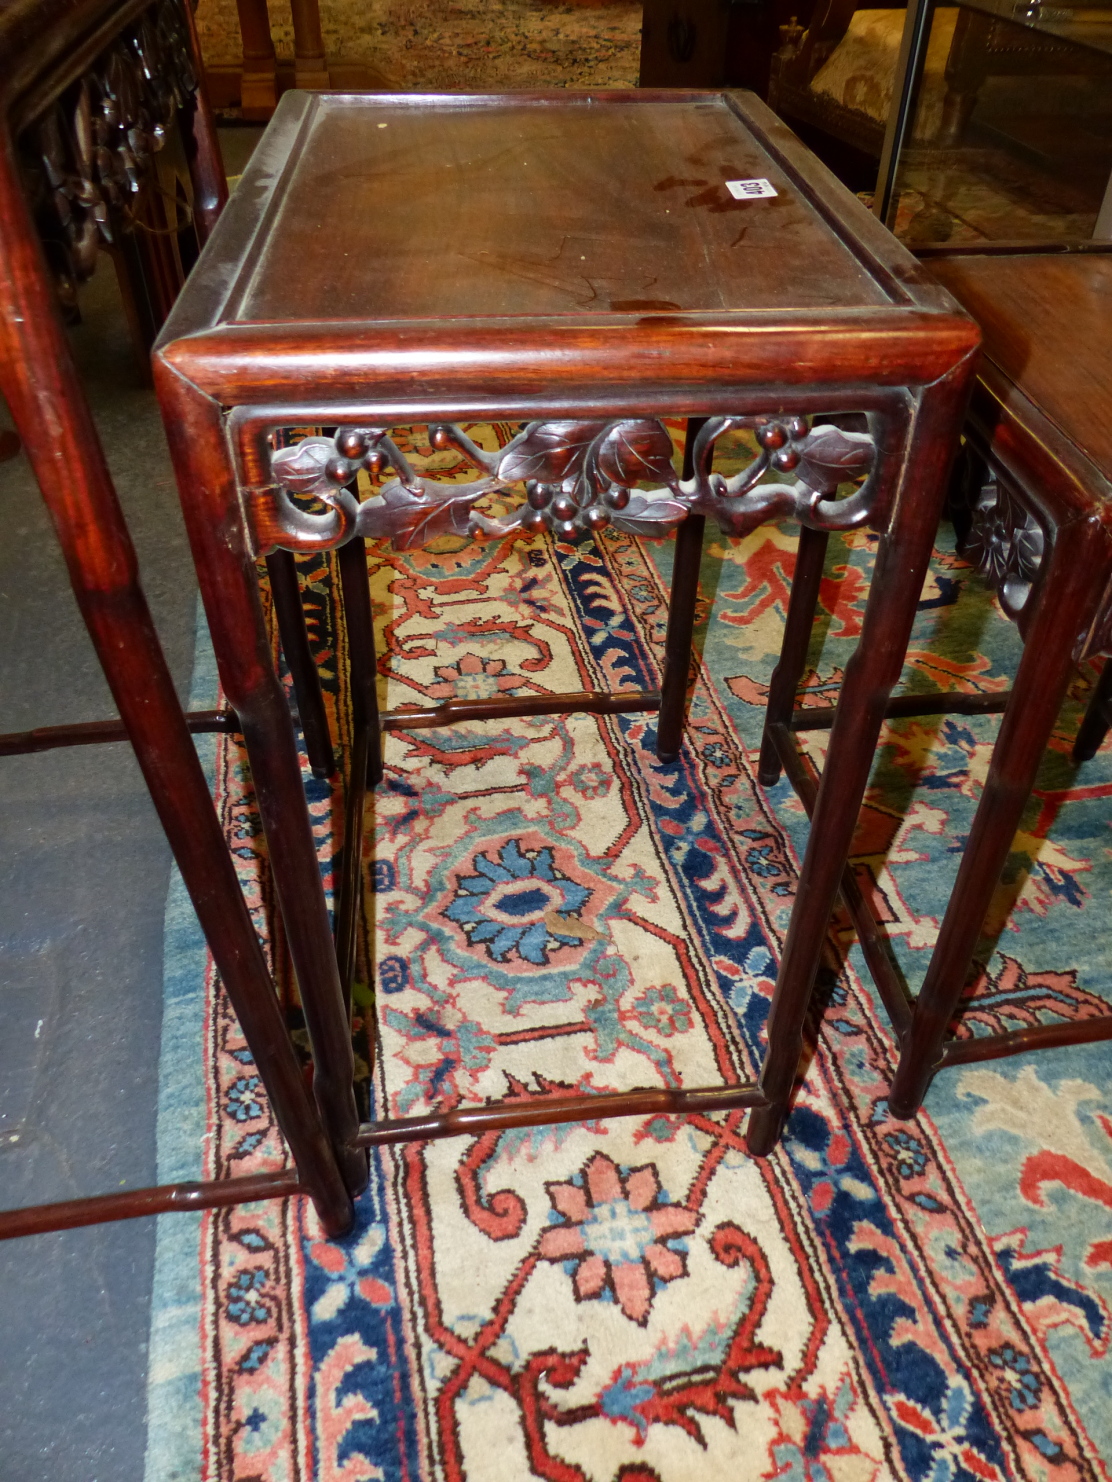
[{"x": 992, "y": 119}]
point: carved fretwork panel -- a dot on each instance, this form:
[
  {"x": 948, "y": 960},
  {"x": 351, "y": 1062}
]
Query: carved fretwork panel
[
  {"x": 1006, "y": 543},
  {"x": 576, "y": 477},
  {"x": 89, "y": 160}
]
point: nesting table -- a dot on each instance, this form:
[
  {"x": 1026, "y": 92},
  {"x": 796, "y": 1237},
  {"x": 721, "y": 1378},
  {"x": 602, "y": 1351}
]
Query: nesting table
[
  {"x": 89, "y": 90},
  {"x": 1041, "y": 462},
  {"x": 585, "y": 264}
]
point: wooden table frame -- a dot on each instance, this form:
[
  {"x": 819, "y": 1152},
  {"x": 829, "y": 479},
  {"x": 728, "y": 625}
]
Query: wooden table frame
[
  {"x": 226, "y": 386},
  {"x": 1042, "y": 533},
  {"x": 46, "y": 46}
]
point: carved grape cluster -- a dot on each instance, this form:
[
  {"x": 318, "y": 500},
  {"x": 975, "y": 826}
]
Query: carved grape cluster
[
  {"x": 356, "y": 448},
  {"x": 778, "y": 439},
  {"x": 554, "y": 507},
  {"x": 579, "y": 475}
]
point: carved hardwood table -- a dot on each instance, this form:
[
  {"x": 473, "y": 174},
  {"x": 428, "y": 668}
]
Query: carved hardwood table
[
  {"x": 575, "y": 262},
  {"x": 1035, "y": 486},
  {"x": 1041, "y": 532},
  {"x": 88, "y": 91}
]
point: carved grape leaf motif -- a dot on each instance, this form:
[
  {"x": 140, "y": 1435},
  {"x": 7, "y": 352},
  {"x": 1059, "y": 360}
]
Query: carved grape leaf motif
[
  {"x": 580, "y": 477},
  {"x": 633, "y": 452},
  {"x": 651, "y": 514},
  {"x": 829, "y": 457},
  {"x": 548, "y": 452},
  {"x": 301, "y": 468},
  {"x": 410, "y": 520}
]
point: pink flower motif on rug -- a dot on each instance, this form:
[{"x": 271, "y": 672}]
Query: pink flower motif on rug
[
  {"x": 473, "y": 678},
  {"x": 617, "y": 1230}
]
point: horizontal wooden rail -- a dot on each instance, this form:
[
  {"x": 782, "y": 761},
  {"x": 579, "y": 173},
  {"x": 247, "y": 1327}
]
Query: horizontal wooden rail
[
  {"x": 97, "y": 732},
  {"x": 593, "y": 702},
  {"x": 968, "y": 1049},
  {"x": 546, "y": 1111},
  {"x": 874, "y": 942},
  {"x": 821, "y": 717},
  {"x": 130, "y": 1204}
]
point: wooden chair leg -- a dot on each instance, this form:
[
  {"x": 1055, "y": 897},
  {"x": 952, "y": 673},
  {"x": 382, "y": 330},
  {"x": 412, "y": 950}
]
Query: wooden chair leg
[
  {"x": 784, "y": 684},
  {"x": 686, "y": 561},
  {"x": 228, "y": 587},
  {"x": 901, "y": 568},
  {"x": 1098, "y": 717},
  {"x": 1071, "y": 587},
  {"x": 286, "y": 591}
]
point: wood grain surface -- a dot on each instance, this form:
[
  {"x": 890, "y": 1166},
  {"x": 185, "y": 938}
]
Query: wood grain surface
[{"x": 1047, "y": 323}]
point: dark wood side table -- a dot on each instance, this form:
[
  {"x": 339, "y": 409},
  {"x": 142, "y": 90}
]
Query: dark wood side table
[
  {"x": 579, "y": 261},
  {"x": 1042, "y": 530},
  {"x": 114, "y": 143},
  {"x": 121, "y": 70},
  {"x": 1038, "y": 465}
]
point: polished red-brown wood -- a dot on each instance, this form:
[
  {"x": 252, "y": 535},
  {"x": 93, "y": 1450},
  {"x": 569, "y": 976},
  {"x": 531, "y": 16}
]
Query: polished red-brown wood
[
  {"x": 45, "y": 47},
  {"x": 597, "y": 268},
  {"x": 1035, "y": 427},
  {"x": 1038, "y": 421},
  {"x": 132, "y": 1204}
]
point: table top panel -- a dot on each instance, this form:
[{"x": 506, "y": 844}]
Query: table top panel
[
  {"x": 445, "y": 208},
  {"x": 1047, "y": 324}
]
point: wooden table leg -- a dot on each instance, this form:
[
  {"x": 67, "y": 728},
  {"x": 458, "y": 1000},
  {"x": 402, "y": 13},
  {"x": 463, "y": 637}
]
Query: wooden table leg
[
  {"x": 686, "y": 563},
  {"x": 259, "y": 78},
  {"x": 226, "y": 570},
  {"x": 365, "y": 768},
  {"x": 1071, "y": 587},
  {"x": 871, "y": 674},
  {"x": 286, "y": 591},
  {"x": 47, "y": 400},
  {"x": 359, "y": 615},
  {"x": 1098, "y": 718},
  {"x": 784, "y": 684}
]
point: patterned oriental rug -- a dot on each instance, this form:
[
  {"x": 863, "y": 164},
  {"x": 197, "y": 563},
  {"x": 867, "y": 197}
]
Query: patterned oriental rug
[{"x": 551, "y": 908}]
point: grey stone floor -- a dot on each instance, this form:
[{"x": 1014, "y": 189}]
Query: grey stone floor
[{"x": 84, "y": 871}]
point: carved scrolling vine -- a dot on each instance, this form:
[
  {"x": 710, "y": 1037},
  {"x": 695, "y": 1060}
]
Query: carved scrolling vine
[
  {"x": 579, "y": 477},
  {"x": 1006, "y": 543},
  {"x": 90, "y": 156}
]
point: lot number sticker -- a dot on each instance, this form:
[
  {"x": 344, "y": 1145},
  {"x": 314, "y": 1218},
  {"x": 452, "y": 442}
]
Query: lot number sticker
[{"x": 750, "y": 190}]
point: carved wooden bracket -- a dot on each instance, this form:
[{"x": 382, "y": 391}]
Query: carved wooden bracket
[
  {"x": 89, "y": 157},
  {"x": 579, "y": 477},
  {"x": 1006, "y": 543}
]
